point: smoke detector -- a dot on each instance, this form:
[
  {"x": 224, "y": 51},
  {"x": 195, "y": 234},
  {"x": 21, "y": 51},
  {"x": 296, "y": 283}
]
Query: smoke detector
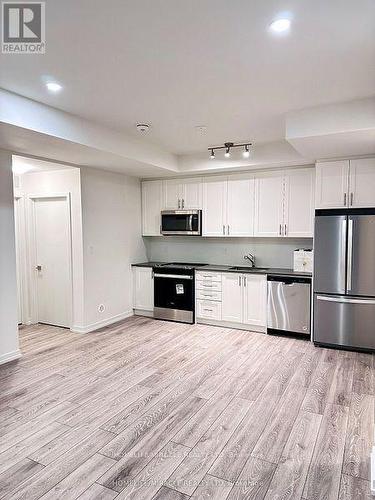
[{"x": 142, "y": 127}]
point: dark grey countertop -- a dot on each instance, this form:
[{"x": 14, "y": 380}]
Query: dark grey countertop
[{"x": 227, "y": 269}]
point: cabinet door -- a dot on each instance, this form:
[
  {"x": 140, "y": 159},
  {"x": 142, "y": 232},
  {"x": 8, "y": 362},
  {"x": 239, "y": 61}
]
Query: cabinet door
[
  {"x": 231, "y": 297},
  {"x": 214, "y": 206},
  {"x": 151, "y": 207},
  {"x": 332, "y": 179},
  {"x": 255, "y": 299},
  {"x": 143, "y": 288},
  {"x": 362, "y": 183},
  {"x": 172, "y": 199},
  {"x": 269, "y": 204},
  {"x": 240, "y": 205},
  {"x": 191, "y": 193},
  {"x": 299, "y": 203}
]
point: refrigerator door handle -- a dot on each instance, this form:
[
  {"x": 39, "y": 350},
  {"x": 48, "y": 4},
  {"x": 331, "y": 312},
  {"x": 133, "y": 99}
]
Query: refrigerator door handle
[
  {"x": 343, "y": 254},
  {"x": 345, "y": 300},
  {"x": 350, "y": 255}
]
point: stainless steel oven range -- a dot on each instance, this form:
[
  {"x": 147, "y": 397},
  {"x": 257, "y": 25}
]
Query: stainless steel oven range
[{"x": 174, "y": 292}]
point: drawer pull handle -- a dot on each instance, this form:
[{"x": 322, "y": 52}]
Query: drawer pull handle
[{"x": 208, "y": 310}]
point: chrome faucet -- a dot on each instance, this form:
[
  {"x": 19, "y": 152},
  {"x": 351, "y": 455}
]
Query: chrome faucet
[{"x": 251, "y": 258}]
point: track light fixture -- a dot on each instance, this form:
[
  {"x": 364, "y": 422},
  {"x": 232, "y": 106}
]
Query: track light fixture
[{"x": 228, "y": 146}]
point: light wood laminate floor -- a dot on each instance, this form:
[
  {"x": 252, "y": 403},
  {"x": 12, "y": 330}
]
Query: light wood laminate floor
[{"x": 148, "y": 409}]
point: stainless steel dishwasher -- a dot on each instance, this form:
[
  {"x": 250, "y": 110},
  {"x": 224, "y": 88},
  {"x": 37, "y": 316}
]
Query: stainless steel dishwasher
[{"x": 288, "y": 304}]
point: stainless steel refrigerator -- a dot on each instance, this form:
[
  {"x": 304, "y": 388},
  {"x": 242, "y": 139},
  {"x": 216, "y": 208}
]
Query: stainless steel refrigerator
[{"x": 344, "y": 278}]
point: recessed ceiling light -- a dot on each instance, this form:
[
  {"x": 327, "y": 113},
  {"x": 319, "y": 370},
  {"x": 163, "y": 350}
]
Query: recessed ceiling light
[
  {"x": 280, "y": 25},
  {"x": 53, "y": 86}
]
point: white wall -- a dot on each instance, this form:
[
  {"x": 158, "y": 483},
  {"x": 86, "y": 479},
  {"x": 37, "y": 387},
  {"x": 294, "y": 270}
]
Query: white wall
[
  {"x": 9, "y": 348},
  {"x": 58, "y": 182},
  {"x": 111, "y": 211}
]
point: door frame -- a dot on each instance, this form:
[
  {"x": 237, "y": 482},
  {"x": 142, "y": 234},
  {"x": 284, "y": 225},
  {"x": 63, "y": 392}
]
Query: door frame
[
  {"x": 21, "y": 258},
  {"x": 31, "y": 239}
]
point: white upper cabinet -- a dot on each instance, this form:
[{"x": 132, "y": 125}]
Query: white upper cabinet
[
  {"x": 266, "y": 204},
  {"x": 332, "y": 182},
  {"x": 231, "y": 293},
  {"x": 191, "y": 193},
  {"x": 172, "y": 194},
  {"x": 362, "y": 183},
  {"x": 182, "y": 194},
  {"x": 299, "y": 190},
  {"x": 143, "y": 288},
  {"x": 269, "y": 204},
  {"x": 345, "y": 183},
  {"x": 255, "y": 299},
  {"x": 240, "y": 205},
  {"x": 152, "y": 192},
  {"x": 214, "y": 206}
]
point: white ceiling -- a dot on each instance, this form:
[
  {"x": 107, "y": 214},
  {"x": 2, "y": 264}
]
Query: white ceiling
[
  {"x": 200, "y": 62},
  {"x": 22, "y": 165}
]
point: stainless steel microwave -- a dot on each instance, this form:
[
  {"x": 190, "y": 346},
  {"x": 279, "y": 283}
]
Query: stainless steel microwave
[{"x": 183, "y": 222}]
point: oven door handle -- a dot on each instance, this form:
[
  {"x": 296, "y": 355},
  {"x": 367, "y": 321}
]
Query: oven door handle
[{"x": 174, "y": 276}]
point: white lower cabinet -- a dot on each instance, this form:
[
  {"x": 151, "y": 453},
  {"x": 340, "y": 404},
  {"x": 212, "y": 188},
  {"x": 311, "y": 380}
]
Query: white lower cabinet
[
  {"x": 232, "y": 304},
  {"x": 238, "y": 299},
  {"x": 255, "y": 300},
  {"x": 143, "y": 289},
  {"x": 207, "y": 309}
]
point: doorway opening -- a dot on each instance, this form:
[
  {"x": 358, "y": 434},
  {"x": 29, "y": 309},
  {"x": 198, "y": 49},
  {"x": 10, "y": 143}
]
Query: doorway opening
[{"x": 43, "y": 216}]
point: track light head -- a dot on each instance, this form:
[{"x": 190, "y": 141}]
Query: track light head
[
  {"x": 228, "y": 145},
  {"x": 246, "y": 152},
  {"x": 212, "y": 155}
]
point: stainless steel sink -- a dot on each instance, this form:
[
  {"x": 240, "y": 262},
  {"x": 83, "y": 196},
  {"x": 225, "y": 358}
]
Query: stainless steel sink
[{"x": 248, "y": 268}]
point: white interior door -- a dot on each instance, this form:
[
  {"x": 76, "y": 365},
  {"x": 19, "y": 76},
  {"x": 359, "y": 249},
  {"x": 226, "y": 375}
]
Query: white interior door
[
  {"x": 240, "y": 208},
  {"x": 52, "y": 260}
]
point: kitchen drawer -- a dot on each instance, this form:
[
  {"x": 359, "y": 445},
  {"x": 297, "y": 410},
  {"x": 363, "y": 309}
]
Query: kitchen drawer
[
  {"x": 208, "y": 294},
  {"x": 207, "y": 276},
  {"x": 209, "y": 310},
  {"x": 208, "y": 285}
]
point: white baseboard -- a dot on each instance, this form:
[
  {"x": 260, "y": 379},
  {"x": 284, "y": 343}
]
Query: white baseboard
[
  {"x": 10, "y": 356},
  {"x": 101, "y": 324}
]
